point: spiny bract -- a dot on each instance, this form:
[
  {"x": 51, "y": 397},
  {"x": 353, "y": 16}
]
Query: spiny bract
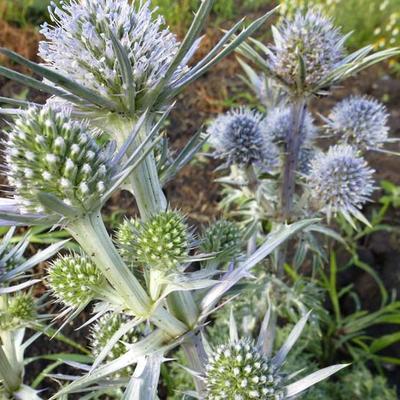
[
  {"x": 360, "y": 121},
  {"x": 314, "y": 38},
  {"x": 162, "y": 242},
  {"x": 222, "y": 237},
  {"x": 102, "y": 332},
  {"x": 49, "y": 152},
  {"x": 74, "y": 279},
  {"x": 239, "y": 137},
  {"x": 279, "y": 125},
  {"x": 79, "y": 45},
  {"x": 340, "y": 180},
  {"x": 238, "y": 371}
]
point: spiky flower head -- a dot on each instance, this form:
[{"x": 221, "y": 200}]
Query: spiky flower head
[
  {"x": 21, "y": 311},
  {"x": 340, "y": 181},
  {"x": 102, "y": 332},
  {"x": 312, "y": 38},
  {"x": 306, "y": 155},
  {"x": 79, "y": 44},
  {"x": 49, "y": 152},
  {"x": 239, "y": 137},
  {"x": 360, "y": 121},
  {"x": 74, "y": 279},
  {"x": 222, "y": 237},
  {"x": 162, "y": 242},
  {"x": 279, "y": 123},
  {"x": 239, "y": 371}
]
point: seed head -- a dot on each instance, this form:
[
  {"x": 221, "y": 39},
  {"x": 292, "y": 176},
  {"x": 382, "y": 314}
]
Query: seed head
[
  {"x": 313, "y": 38},
  {"x": 79, "y": 45},
  {"x": 102, "y": 332},
  {"x": 49, "y": 152},
  {"x": 21, "y": 311},
  {"x": 360, "y": 121},
  {"x": 222, "y": 237},
  {"x": 279, "y": 124},
  {"x": 74, "y": 279},
  {"x": 340, "y": 180},
  {"x": 239, "y": 137},
  {"x": 162, "y": 243},
  {"x": 238, "y": 371}
]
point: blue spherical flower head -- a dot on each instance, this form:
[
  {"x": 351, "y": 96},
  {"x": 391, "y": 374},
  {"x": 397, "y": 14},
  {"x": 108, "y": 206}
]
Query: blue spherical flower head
[
  {"x": 312, "y": 37},
  {"x": 79, "y": 44},
  {"x": 340, "y": 181},
  {"x": 240, "y": 138},
  {"x": 279, "y": 125},
  {"x": 360, "y": 121}
]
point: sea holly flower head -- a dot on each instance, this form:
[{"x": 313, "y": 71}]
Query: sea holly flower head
[
  {"x": 243, "y": 368},
  {"x": 360, "y": 121},
  {"x": 340, "y": 181},
  {"x": 103, "y": 331},
  {"x": 75, "y": 280},
  {"x": 81, "y": 44},
  {"x": 306, "y": 155},
  {"x": 224, "y": 238},
  {"x": 48, "y": 152},
  {"x": 279, "y": 123},
  {"x": 21, "y": 311},
  {"x": 307, "y": 44},
  {"x": 162, "y": 243},
  {"x": 239, "y": 137}
]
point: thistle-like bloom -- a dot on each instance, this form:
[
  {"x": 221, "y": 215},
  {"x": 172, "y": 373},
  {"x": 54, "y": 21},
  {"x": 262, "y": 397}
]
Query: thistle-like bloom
[
  {"x": 223, "y": 237},
  {"x": 243, "y": 369},
  {"x": 21, "y": 311},
  {"x": 311, "y": 38},
  {"x": 75, "y": 280},
  {"x": 340, "y": 181},
  {"x": 360, "y": 121},
  {"x": 47, "y": 152},
  {"x": 81, "y": 45},
  {"x": 239, "y": 137},
  {"x": 238, "y": 370},
  {"x": 161, "y": 243},
  {"x": 102, "y": 332},
  {"x": 279, "y": 125}
]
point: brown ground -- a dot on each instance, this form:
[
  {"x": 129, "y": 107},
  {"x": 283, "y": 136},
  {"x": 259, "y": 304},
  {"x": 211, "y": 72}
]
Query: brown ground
[{"x": 194, "y": 191}]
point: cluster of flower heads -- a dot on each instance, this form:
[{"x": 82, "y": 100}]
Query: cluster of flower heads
[
  {"x": 340, "y": 181},
  {"x": 102, "y": 332},
  {"x": 360, "y": 121},
  {"x": 162, "y": 243},
  {"x": 47, "y": 151},
  {"x": 239, "y": 371},
  {"x": 312, "y": 38},
  {"x": 239, "y": 136},
  {"x": 74, "y": 279},
  {"x": 80, "y": 45}
]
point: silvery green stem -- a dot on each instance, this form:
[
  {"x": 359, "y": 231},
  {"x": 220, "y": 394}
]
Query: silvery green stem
[
  {"x": 183, "y": 306},
  {"x": 92, "y": 235},
  {"x": 12, "y": 379},
  {"x": 144, "y": 181}
]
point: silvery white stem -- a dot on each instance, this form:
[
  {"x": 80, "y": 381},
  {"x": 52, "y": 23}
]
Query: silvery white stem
[
  {"x": 92, "y": 235},
  {"x": 144, "y": 181},
  {"x": 11, "y": 378}
]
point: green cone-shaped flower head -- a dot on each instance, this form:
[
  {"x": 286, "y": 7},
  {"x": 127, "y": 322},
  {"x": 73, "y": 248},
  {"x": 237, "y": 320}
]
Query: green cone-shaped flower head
[
  {"x": 74, "y": 280},
  {"x": 162, "y": 242},
  {"x": 222, "y": 237},
  {"x": 49, "y": 152},
  {"x": 102, "y": 332},
  {"x": 238, "y": 371},
  {"x": 21, "y": 311}
]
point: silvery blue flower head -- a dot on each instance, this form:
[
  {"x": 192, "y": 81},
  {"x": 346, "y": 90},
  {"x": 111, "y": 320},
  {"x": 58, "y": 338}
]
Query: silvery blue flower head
[
  {"x": 360, "y": 121},
  {"x": 81, "y": 45},
  {"x": 279, "y": 124},
  {"x": 239, "y": 137},
  {"x": 311, "y": 38},
  {"x": 340, "y": 181}
]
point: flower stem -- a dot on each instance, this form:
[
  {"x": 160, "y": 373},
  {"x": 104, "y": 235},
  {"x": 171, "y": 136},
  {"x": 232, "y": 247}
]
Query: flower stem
[{"x": 12, "y": 379}]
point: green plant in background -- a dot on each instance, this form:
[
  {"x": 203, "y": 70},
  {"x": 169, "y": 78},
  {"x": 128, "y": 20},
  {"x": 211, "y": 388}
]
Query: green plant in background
[{"x": 24, "y": 12}]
